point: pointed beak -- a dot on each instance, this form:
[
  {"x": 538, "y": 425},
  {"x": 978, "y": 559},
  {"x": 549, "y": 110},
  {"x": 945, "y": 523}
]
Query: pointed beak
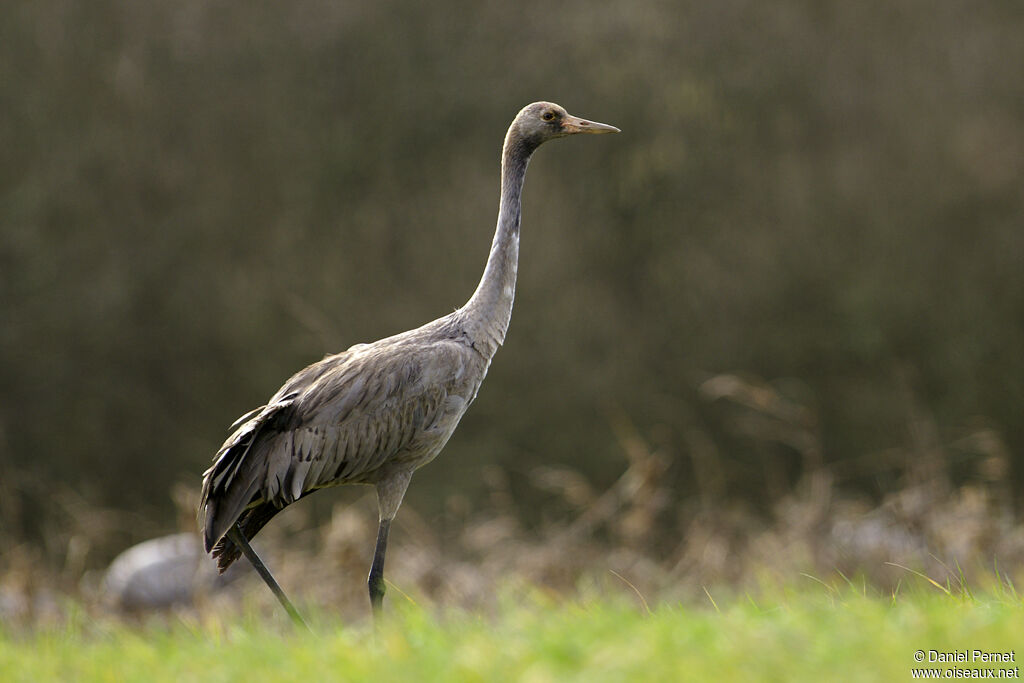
[{"x": 572, "y": 125}]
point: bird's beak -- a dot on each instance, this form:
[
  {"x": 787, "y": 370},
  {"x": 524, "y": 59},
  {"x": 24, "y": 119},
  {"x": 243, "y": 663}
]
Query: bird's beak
[{"x": 572, "y": 125}]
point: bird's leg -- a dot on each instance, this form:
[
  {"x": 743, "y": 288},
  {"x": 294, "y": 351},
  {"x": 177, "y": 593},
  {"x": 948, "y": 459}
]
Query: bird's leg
[
  {"x": 390, "y": 491},
  {"x": 375, "y": 582},
  {"x": 236, "y": 536}
]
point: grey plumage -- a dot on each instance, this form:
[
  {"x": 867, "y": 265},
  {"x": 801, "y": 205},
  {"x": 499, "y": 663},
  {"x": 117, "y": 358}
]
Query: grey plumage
[
  {"x": 375, "y": 413},
  {"x": 369, "y": 415}
]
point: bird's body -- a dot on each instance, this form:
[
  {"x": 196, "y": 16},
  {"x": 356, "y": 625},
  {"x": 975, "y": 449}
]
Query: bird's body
[
  {"x": 375, "y": 413},
  {"x": 369, "y": 415}
]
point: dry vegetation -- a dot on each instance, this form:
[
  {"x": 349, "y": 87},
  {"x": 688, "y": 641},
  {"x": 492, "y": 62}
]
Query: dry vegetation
[{"x": 636, "y": 538}]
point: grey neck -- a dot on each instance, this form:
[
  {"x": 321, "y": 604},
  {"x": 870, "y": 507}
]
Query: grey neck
[{"x": 488, "y": 311}]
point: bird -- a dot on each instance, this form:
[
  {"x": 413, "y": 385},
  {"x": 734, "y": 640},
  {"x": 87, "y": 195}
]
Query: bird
[
  {"x": 162, "y": 572},
  {"x": 377, "y": 412}
]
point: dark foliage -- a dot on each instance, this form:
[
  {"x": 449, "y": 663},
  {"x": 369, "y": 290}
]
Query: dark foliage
[{"x": 821, "y": 199}]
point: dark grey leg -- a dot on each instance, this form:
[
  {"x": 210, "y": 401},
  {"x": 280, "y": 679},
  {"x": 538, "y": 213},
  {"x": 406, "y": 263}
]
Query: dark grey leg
[
  {"x": 376, "y": 579},
  {"x": 236, "y": 536}
]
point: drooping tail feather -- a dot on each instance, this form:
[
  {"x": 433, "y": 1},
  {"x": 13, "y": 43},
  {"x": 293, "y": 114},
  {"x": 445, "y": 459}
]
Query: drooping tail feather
[
  {"x": 251, "y": 521},
  {"x": 221, "y": 513},
  {"x": 233, "y": 482}
]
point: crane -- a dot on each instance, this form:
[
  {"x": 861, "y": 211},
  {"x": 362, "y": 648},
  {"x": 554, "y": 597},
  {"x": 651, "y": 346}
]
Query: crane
[{"x": 377, "y": 412}]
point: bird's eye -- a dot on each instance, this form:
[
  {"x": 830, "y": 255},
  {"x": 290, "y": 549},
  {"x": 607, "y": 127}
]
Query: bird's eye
[{"x": 548, "y": 116}]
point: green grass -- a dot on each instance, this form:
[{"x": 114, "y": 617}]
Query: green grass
[{"x": 812, "y": 634}]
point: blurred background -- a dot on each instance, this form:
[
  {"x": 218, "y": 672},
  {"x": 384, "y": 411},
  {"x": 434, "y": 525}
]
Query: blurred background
[{"x": 778, "y": 321}]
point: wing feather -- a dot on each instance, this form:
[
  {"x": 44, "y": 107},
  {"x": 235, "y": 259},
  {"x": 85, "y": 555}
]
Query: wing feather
[{"x": 337, "y": 421}]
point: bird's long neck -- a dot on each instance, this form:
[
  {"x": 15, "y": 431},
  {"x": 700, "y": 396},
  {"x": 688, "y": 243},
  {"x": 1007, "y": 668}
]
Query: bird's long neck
[{"x": 489, "y": 310}]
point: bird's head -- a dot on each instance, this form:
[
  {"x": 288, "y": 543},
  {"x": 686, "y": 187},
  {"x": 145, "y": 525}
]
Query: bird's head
[{"x": 542, "y": 121}]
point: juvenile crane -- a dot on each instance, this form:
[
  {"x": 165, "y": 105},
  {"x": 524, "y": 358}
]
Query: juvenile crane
[{"x": 375, "y": 413}]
